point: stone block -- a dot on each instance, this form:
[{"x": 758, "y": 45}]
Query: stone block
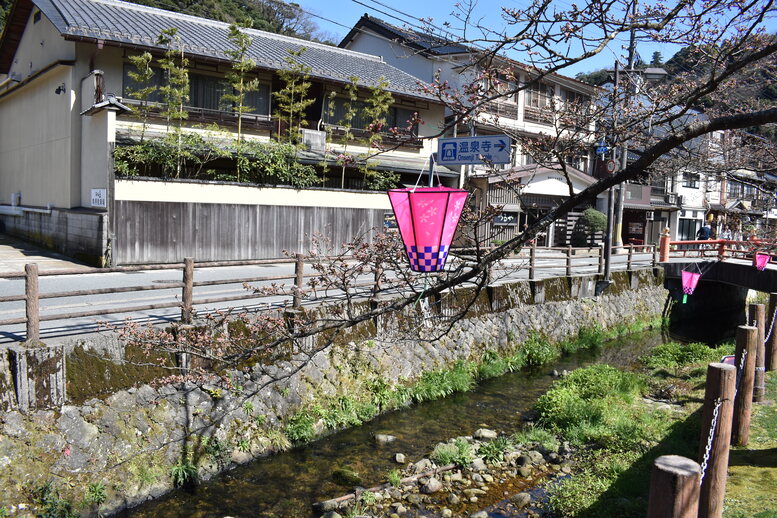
[{"x": 39, "y": 375}]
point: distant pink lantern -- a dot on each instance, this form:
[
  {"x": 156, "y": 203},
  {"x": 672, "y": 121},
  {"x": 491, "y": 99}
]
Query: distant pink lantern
[
  {"x": 761, "y": 260},
  {"x": 427, "y": 218},
  {"x": 690, "y": 280}
]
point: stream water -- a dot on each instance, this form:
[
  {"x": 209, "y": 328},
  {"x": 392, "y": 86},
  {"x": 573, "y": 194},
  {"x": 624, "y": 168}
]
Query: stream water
[{"x": 285, "y": 485}]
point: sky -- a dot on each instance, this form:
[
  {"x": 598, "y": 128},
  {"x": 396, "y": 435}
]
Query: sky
[{"x": 336, "y": 17}]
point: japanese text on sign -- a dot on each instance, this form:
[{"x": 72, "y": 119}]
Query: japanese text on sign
[{"x": 474, "y": 150}]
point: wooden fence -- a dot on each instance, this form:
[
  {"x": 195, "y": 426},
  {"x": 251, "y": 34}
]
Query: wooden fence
[
  {"x": 683, "y": 488},
  {"x": 536, "y": 261}
]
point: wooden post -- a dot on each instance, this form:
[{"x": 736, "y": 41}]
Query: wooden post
[
  {"x": 674, "y": 488},
  {"x": 743, "y": 403},
  {"x": 722, "y": 250},
  {"x": 187, "y": 290},
  {"x": 569, "y": 261},
  {"x": 631, "y": 256},
  {"x": 32, "y": 303},
  {"x": 299, "y": 270},
  {"x": 601, "y": 259},
  {"x": 663, "y": 254},
  {"x": 757, "y": 313},
  {"x": 718, "y": 399},
  {"x": 770, "y": 359},
  {"x": 655, "y": 257},
  {"x": 532, "y": 260}
]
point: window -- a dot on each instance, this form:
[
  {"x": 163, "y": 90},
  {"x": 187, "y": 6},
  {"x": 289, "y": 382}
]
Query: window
[
  {"x": 336, "y": 113},
  {"x": 538, "y": 95},
  {"x": 204, "y": 92},
  {"x": 691, "y": 181},
  {"x": 734, "y": 189},
  {"x": 131, "y": 86},
  {"x": 336, "y": 110},
  {"x": 538, "y": 98}
]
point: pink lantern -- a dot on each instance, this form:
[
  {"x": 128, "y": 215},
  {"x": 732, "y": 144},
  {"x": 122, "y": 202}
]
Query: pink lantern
[
  {"x": 427, "y": 218},
  {"x": 690, "y": 280},
  {"x": 761, "y": 260}
]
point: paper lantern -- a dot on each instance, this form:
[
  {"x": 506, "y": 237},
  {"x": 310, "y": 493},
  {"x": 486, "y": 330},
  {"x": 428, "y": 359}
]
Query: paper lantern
[
  {"x": 690, "y": 280},
  {"x": 761, "y": 260},
  {"x": 427, "y": 218}
]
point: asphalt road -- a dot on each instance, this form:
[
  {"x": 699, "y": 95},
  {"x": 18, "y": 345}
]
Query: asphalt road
[{"x": 58, "y": 331}]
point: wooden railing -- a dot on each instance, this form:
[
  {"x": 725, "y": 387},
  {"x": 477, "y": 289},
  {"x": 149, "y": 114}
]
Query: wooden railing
[
  {"x": 553, "y": 261},
  {"x": 720, "y": 249}
]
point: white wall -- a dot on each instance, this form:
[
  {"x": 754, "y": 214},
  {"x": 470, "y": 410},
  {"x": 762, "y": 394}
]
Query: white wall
[
  {"x": 185, "y": 192},
  {"x": 40, "y": 46},
  {"x": 35, "y": 141},
  {"x": 394, "y": 54}
]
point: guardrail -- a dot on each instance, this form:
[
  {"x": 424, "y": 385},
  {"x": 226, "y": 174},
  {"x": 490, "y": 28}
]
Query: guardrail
[
  {"x": 721, "y": 249},
  {"x": 553, "y": 260}
]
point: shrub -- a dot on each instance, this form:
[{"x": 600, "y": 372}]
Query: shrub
[
  {"x": 300, "y": 428},
  {"x": 50, "y": 504},
  {"x": 183, "y": 472},
  {"x": 538, "y": 351},
  {"x": 441, "y": 383},
  {"x": 458, "y": 452},
  {"x": 594, "y": 220},
  {"x": 493, "y": 451},
  {"x": 394, "y": 478}
]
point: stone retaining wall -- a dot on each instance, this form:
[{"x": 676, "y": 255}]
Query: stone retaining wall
[{"x": 131, "y": 439}]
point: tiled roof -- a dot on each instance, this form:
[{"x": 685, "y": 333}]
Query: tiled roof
[{"x": 130, "y": 24}]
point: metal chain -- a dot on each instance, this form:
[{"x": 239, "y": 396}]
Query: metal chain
[
  {"x": 740, "y": 370},
  {"x": 771, "y": 327},
  {"x": 708, "y": 448}
]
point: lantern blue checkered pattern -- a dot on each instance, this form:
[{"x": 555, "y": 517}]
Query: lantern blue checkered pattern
[{"x": 428, "y": 259}]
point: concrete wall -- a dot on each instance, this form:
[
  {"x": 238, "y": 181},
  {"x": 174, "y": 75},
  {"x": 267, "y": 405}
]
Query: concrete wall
[
  {"x": 80, "y": 234},
  {"x": 117, "y": 437}
]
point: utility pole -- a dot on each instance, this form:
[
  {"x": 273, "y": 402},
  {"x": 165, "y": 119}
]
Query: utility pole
[{"x": 621, "y": 197}]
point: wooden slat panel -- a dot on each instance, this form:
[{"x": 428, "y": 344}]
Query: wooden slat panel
[{"x": 163, "y": 232}]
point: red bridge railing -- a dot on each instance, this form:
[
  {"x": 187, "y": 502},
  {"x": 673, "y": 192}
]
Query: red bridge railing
[{"x": 721, "y": 249}]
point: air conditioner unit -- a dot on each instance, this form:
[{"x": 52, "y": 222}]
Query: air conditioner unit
[
  {"x": 649, "y": 215},
  {"x": 670, "y": 198}
]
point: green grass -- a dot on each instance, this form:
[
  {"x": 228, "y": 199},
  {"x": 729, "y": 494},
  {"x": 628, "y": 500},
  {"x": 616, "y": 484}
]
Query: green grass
[
  {"x": 537, "y": 434},
  {"x": 394, "y": 478},
  {"x": 442, "y": 383},
  {"x": 750, "y": 490},
  {"x": 300, "y": 429},
  {"x": 673, "y": 355},
  {"x": 459, "y": 452},
  {"x": 493, "y": 451}
]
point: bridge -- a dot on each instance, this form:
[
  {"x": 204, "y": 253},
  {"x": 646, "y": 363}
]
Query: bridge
[{"x": 721, "y": 260}]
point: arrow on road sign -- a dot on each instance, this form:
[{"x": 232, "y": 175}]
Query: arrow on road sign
[{"x": 501, "y": 145}]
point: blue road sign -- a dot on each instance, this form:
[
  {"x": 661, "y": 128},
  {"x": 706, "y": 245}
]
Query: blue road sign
[{"x": 474, "y": 150}]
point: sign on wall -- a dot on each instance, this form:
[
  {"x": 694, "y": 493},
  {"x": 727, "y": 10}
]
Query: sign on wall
[
  {"x": 100, "y": 198},
  {"x": 474, "y": 150}
]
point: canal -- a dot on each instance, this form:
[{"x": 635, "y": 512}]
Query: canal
[{"x": 285, "y": 485}]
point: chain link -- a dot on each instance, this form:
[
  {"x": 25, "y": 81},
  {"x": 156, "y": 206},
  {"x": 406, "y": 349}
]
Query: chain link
[
  {"x": 771, "y": 327},
  {"x": 708, "y": 448},
  {"x": 740, "y": 370}
]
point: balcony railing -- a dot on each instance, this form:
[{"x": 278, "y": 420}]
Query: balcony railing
[
  {"x": 210, "y": 116},
  {"x": 538, "y": 115},
  {"x": 502, "y": 196},
  {"x": 506, "y": 110}
]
